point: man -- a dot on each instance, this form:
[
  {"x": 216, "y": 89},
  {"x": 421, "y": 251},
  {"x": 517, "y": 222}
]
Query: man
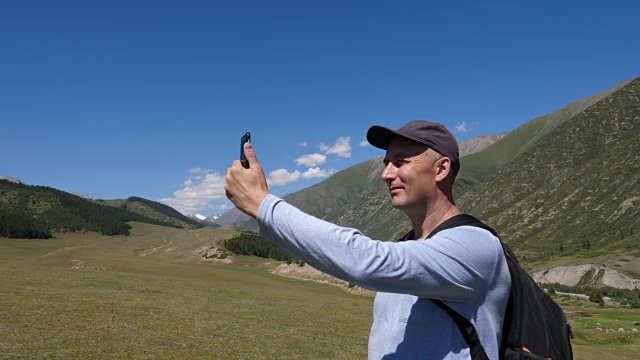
[{"x": 464, "y": 266}]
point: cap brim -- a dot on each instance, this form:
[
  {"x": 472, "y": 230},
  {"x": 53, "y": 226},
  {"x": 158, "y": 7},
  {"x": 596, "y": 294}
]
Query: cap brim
[{"x": 380, "y": 136}]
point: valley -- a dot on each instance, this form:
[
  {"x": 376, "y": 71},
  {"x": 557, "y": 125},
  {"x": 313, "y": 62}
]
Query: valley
[{"x": 153, "y": 294}]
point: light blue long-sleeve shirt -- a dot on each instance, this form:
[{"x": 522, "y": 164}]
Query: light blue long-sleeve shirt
[{"x": 463, "y": 266}]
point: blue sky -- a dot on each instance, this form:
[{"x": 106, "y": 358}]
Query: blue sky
[{"x": 149, "y": 98}]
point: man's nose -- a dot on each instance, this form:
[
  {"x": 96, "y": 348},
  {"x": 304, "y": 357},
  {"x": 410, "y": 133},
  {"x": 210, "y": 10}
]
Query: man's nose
[{"x": 388, "y": 172}]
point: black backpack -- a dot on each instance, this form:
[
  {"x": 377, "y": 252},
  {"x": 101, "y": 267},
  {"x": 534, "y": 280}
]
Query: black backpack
[{"x": 535, "y": 327}]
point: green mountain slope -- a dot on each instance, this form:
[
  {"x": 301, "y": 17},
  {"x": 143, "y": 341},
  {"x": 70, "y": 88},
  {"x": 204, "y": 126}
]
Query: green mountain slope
[
  {"x": 154, "y": 210},
  {"x": 37, "y": 211},
  {"x": 479, "y": 166},
  {"x": 577, "y": 188}
]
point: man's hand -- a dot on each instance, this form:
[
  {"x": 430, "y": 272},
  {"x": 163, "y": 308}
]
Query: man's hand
[{"x": 246, "y": 188}]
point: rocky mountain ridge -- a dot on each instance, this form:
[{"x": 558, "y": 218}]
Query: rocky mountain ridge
[
  {"x": 586, "y": 275},
  {"x": 11, "y": 180},
  {"x": 205, "y": 220},
  {"x": 478, "y": 143}
]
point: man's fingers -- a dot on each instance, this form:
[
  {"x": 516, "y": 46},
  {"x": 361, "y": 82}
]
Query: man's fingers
[
  {"x": 249, "y": 153},
  {"x": 246, "y": 188}
]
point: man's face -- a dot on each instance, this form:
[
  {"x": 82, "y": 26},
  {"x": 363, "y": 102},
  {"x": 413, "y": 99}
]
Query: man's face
[{"x": 409, "y": 173}]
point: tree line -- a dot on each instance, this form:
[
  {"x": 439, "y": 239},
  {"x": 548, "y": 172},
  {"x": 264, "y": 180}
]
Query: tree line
[
  {"x": 255, "y": 245},
  {"x": 165, "y": 210},
  {"x": 13, "y": 225},
  {"x": 35, "y": 212},
  {"x": 624, "y": 297}
]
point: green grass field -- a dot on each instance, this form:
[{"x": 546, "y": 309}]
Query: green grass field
[
  {"x": 117, "y": 304},
  {"x": 152, "y": 295},
  {"x": 596, "y": 331}
]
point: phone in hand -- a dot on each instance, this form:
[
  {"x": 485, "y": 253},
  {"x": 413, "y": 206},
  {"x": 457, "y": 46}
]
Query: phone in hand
[{"x": 243, "y": 159}]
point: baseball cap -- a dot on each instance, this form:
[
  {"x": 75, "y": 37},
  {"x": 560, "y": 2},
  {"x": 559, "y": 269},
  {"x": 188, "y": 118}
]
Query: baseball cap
[{"x": 434, "y": 135}]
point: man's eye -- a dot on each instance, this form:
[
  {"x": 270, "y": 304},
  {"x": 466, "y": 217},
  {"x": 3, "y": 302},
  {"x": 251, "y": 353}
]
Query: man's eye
[{"x": 396, "y": 163}]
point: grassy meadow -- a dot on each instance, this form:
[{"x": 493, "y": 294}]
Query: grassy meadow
[
  {"x": 597, "y": 332},
  {"x": 153, "y": 295},
  {"x": 89, "y": 296}
]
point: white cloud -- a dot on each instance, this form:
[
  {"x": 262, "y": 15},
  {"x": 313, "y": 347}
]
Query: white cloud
[
  {"x": 342, "y": 147},
  {"x": 199, "y": 173},
  {"x": 462, "y": 128},
  {"x": 311, "y": 160},
  {"x": 363, "y": 143},
  {"x": 204, "y": 189},
  {"x": 317, "y": 173},
  {"x": 197, "y": 195},
  {"x": 282, "y": 177},
  {"x": 304, "y": 144}
]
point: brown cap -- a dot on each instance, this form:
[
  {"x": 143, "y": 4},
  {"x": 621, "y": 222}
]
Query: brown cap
[{"x": 434, "y": 135}]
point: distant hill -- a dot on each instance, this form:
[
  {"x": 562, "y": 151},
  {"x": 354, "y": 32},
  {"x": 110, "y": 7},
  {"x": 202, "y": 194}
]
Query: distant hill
[
  {"x": 154, "y": 210},
  {"x": 586, "y": 275},
  {"x": 38, "y": 211},
  {"x": 232, "y": 216},
  {"x": 479, "y": 166},
  {"x": 10, "y": 179},
  {"x": 204, "y": 220},
  {"x": 478, "y": 143},
  {"x": 563, "y": 183}
]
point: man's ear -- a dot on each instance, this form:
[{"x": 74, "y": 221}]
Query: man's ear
[{"x": 443, "y": 168}]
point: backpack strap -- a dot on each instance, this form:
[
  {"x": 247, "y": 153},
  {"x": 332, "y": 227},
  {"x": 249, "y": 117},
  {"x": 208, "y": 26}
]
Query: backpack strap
[
  {"x": 466, "y": 328},
  {"x": 461, "y": 220},
  {"x": 455, "y": 221},
  {"x": 468, "y": 331}
]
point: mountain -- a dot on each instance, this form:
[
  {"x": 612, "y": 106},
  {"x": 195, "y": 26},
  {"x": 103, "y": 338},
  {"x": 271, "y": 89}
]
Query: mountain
[
  {"x": 38, "y": 211},
  {"x": 205, "y": 220},
  {"x": 230, "y": 217},
  {"x": 577, "y": 187},
  {"x": 84, "y": 196},
  {"x": 211, "y": 218},
  {"x": 154, "y": 210},
  {"x": 478, "y": 143},
  {"x": 10, "y": 179},
  {"x": 479, "y": 166},
  {"x": 586, "y": 275},
  {"x": 565, "y": 183}
]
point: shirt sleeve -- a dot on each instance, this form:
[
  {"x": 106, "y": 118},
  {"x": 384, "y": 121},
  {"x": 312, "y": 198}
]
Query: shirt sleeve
[{"x": 456, "y": 264}]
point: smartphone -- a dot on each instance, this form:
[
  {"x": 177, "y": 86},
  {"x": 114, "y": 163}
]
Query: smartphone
[{"x": 243, "y": 159}]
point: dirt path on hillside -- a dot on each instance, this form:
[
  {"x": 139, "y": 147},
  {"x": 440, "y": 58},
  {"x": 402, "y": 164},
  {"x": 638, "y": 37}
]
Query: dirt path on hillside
[
  {"x": 148, "y": 252},
  {"x": 309, "y": 273}
]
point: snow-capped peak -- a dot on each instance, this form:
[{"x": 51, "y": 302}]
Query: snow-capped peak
[{"x": 201, "y": 217}]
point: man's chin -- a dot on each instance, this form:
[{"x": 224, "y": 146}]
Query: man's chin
[{"x": 396, "y": 202}]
